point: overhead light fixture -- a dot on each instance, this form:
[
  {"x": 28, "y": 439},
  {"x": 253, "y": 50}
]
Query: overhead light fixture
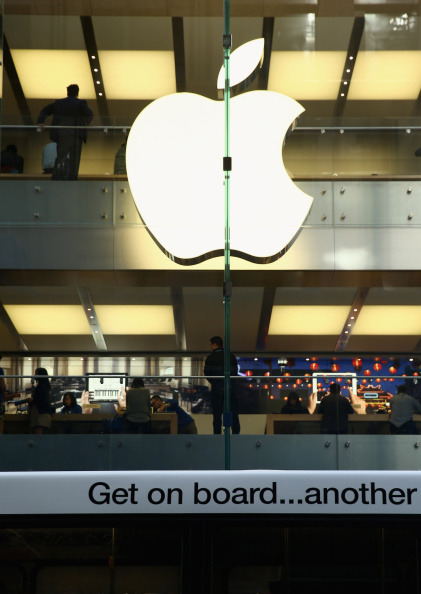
[
  {"x": 393, "y": 320},
  {"x": 34, "y": 69},
  {"x": 386, "y": 75},
  {"x": 307, "y": 319},
  {"x": 136, "y": 319},
  {"x": 306, "y": 75},
  {"x": 138, "y": 74},
  {"x": 48, "y": 319}
]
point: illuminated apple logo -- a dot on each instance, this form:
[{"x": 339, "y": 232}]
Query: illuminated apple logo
[{"x": 174, "y": 165}]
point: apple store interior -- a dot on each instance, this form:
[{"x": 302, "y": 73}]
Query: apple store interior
[{"x": 114, "y": 266}]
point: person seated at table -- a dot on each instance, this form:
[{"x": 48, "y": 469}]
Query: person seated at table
[
  {"x": 294, "y": 406},
  {"x": 402, "y": 407},
  {"x": 70, "y": 406},
  {"x": 185, "y": 423},
  {"x": 11, "y": 161},
  {"x": 136, "y": 402},
  {"x": 335, "y": 409},
  {"x": 116, "y": 424}
]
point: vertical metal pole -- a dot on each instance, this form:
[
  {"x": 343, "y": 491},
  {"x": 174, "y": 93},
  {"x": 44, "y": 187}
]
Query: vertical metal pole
[{"x": 227, "y": 271}]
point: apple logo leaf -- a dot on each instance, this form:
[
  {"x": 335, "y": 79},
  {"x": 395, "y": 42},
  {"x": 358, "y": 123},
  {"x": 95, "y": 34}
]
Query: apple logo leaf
[
  {"x": 174, "y": 166},
  {"x": 245, "y": 62}
]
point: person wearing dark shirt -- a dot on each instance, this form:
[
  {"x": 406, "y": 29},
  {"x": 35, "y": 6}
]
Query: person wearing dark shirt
[
  {"x": 214, "y": 366},
  {"x": 11, "y": 162},
  {"x": 185, "y": 423},
  {"x": 70, "y": 406},
  {"x": 294, "y": 406},
  {"x": 136, "y": 402},
  {"x": 70, "y": 117},
  {"x": 402, "y": 407},
  {"x": 335, "y": 409},
  {"x": 40, "y": 406}
]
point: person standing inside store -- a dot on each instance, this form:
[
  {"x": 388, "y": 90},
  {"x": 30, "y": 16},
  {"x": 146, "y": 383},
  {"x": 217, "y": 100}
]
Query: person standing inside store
[
  {"x": 214, "y": 366},
  {"x": 40, "y": 404},
  {"x": 136, "y": 402},
  {"x": 70, "y": 117},
  {"x": 402, "y": 407}
]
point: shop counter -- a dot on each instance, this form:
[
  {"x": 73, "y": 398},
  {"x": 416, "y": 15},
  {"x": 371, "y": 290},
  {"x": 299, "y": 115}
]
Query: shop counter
[
  {"x": 358, "y": 424},
  {"x": 84, "y": 423}
]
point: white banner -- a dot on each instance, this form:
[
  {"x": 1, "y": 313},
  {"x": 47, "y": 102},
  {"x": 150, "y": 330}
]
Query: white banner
[{"x": 210, "y": 492}]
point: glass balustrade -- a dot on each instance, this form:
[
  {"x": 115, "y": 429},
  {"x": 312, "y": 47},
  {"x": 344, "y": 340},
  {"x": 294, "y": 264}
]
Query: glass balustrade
[{"x": 293, "y": 413}]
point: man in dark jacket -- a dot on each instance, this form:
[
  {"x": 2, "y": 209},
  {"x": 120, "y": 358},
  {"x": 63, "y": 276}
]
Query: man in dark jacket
[
  {"x": 73, "y": 114},
  {"x": 335, "y": 409},
  {"x": 214, "y": 366}
]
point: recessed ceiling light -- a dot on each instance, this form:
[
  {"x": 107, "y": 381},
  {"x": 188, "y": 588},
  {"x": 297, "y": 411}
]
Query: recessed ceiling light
[
  {"x": 349, "y": 325},
  {"x": 93, "y": 57}
]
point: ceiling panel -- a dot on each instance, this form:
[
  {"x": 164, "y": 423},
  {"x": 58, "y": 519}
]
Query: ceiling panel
[
  {"x": 44, "y": 32},
  {"x": 7, "y": 343},
  {"x": 34, "y": 69},
  {"x": 394, "y": 296},
  {"x": 40, "y": 295},
  {"x": 137, "y": 74},
  {"x": 133, "y": 33},
  {"x": 66, "y": 7},
  {"x": 386, "y": 76},
  {"x": 106, "y": 295},
  {"x": 135, "y": 319},
  {"x": 314, "y": 296},
  {"x": 389, "y": 319},
  {"x": 306, "y": 75},
  {"x": 382, "y": 344},
  {"x": 305, "y": 344},
  {"x": 149, "y": 344},
  {"x": 60, "y": 343},
  {"x": 204, "y": 317},
  {"x": 48, "y": 319},
  {"x": 129, "y": 7},
  {"x": 308, "y": 319}
]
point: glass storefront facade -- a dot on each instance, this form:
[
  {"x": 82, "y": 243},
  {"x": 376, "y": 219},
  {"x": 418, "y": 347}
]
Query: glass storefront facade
[{"x": 88, "y": 292}]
